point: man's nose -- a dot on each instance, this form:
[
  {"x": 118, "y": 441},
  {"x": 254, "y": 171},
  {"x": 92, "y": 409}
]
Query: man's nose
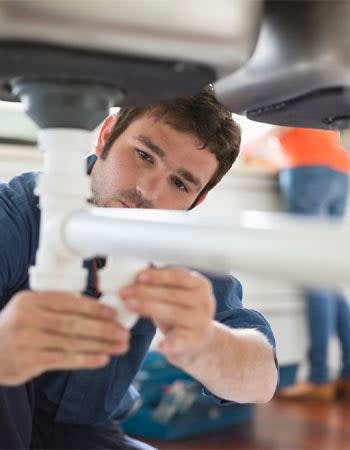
[{"x": 150, "y": 186}]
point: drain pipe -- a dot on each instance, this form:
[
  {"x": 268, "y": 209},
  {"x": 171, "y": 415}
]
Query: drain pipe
[{"x": 66, "y": 113}]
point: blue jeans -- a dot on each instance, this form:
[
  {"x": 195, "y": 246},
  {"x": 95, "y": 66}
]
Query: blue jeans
[{"x": 321, "y": 191}]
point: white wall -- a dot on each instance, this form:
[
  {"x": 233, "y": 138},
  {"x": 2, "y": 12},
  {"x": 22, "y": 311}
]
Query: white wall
[{"x": 16, "y": 159}]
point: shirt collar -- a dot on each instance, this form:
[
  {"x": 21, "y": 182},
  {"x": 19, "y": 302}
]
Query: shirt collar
[{"x": 90, "y": 161}]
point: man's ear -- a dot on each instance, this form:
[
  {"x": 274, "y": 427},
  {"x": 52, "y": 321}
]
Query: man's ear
[
  {"x": 105, "y": 132},
  {"x": 199, "y": 200}
]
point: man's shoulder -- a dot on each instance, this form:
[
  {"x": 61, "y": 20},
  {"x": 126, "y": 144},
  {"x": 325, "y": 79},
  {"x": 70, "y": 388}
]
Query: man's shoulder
[
  {"x": 19, "y": 209},
  {"x": 19, "y": 231},
  {"x": 230, "y": 310},
  {"x": 226, "y": 287},
  {"x": 20, "y": 191}
]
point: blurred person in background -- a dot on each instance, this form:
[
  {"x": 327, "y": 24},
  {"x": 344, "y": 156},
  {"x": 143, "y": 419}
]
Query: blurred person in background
[{"x": 313, "y": 175}]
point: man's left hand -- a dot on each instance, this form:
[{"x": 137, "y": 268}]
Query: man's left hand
[{"x": 181, "y": 303}]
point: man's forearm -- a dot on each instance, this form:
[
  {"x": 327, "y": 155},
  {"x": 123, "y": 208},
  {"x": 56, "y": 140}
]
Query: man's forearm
[{"x": 237, "y": 365}]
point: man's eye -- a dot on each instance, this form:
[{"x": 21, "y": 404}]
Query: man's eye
[
  {"x": 144, "y": 155},
  {"x": 179, "y": 184}
]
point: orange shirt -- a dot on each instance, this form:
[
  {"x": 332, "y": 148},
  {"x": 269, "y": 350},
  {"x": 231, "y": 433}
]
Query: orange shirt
[{"x": 306, "y": 147}]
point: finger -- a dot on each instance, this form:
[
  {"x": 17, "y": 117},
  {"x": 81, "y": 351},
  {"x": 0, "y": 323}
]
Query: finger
[
  {"x": 46, "y": 341},
  {"x": 75, "y": 325},
  {"x": 77, "y": 304},
  {"x": 164, "y": 312},
  {"x": 174, "y": 276},
  {"x": 56, "y": 360},
  {"x": 145, "y": 292}
]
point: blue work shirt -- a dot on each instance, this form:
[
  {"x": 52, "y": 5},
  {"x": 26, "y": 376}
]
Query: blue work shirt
[{"x": 92, "y": 397}]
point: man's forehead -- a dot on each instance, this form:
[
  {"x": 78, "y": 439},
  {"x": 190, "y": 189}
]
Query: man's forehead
[{"x": 151, "y": 124}]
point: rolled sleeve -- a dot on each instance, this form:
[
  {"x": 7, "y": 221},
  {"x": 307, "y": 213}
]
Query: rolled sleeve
[
  {"x": 230, "y": 312},
  {"x": 19, "y": 230}
]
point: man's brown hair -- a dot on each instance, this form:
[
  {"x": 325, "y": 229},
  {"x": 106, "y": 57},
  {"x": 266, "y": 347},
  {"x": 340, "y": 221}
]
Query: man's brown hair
[{"x": 201, "y": 115}]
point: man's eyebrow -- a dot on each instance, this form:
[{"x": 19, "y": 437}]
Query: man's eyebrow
[
  {"x": 151, "y": 145},
  {"x": 190, "y": 177}
]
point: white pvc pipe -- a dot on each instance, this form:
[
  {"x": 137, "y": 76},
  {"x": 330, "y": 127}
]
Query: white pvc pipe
[
  {"x": 63, "y": 187},
  {"x": 114, "y": 275},
  {"x": 274, "y": 245}
]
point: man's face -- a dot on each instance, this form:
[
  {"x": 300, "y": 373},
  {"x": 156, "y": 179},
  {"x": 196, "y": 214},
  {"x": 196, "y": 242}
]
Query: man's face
[{"x": 152, "y": 165}]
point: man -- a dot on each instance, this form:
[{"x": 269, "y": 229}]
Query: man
[{"x": 166, "y": 156}]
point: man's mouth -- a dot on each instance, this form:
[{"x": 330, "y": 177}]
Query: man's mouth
[{"x": 125, "y": 205}]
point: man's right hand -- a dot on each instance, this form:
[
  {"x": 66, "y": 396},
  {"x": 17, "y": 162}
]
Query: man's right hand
[{"x": 42, "y": 331}]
